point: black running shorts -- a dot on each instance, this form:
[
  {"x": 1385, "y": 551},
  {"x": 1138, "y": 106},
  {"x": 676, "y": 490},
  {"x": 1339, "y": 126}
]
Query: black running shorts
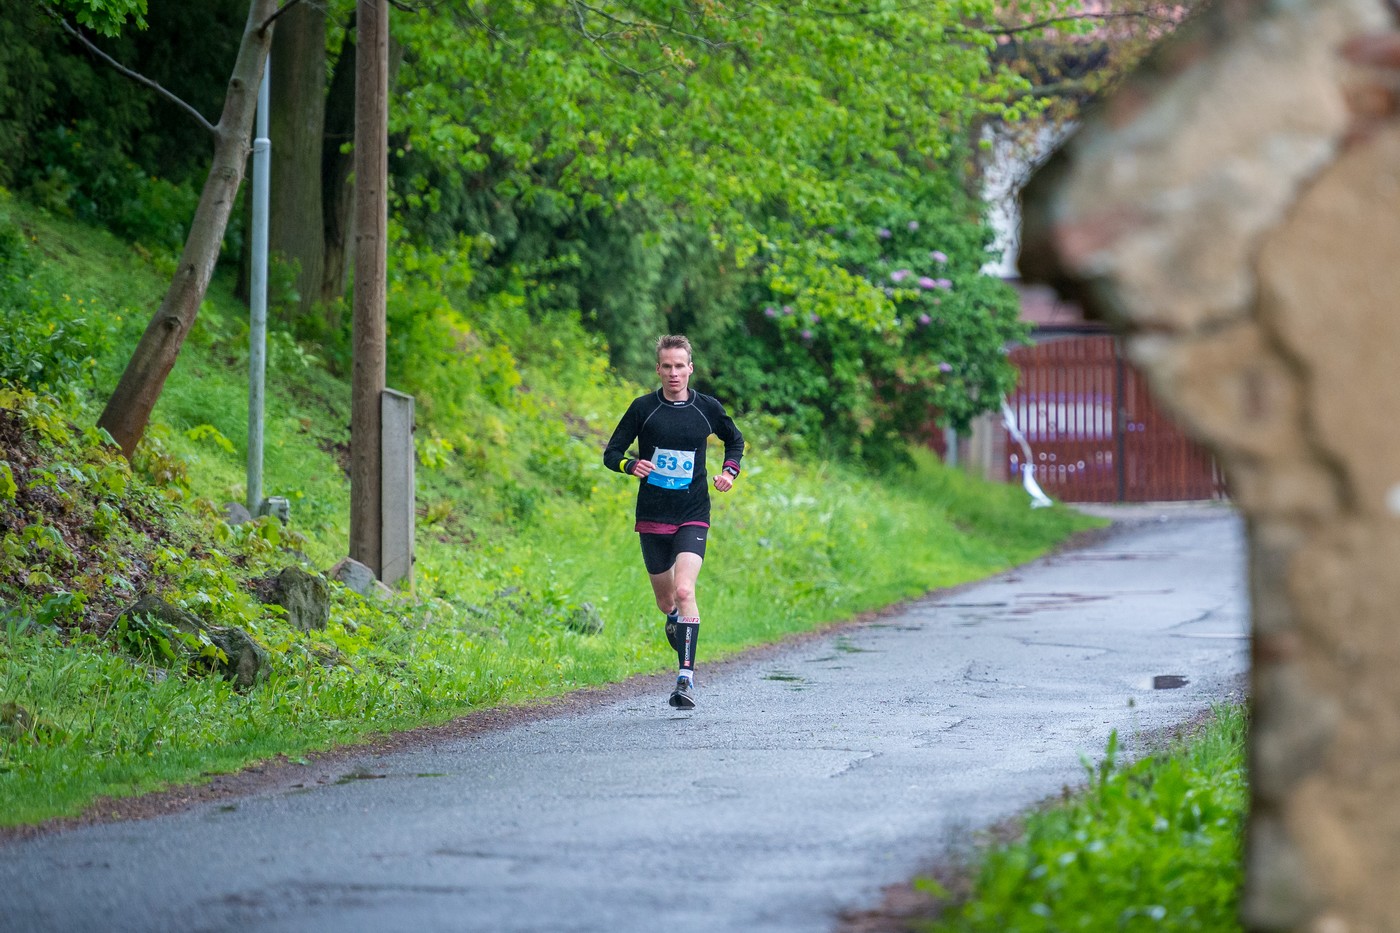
[{"x": 659, "y": 551}]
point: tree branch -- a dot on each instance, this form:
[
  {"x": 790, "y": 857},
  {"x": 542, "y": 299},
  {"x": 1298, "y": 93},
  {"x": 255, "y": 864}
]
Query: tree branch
[
  {"x": 581, "y": 9},
  {"x": 408, "y": 6},
  {"x": 265, "y": 24},
  {"x": 856, "y": 14},
  {"x": 1146, "y": 14},
  {"x": 598, "y": 41},
  {"x": 484, "y": 24},
  {"x": 127, "y": 72}
]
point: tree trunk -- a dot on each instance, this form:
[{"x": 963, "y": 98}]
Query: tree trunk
[
  {"x": 295, "y": 232},
  {"x": 129, "y": 409},
  {"x": 243, "y": 288},
  {"x": 337, "y": 194},
  {"x": 337, "y": 167}
]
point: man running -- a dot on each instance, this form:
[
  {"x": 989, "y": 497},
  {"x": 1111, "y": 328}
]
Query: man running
[{"x": 671, "y": 426}]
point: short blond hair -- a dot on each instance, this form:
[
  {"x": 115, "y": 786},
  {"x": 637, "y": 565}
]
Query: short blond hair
[{"x": 674, "y": 342}]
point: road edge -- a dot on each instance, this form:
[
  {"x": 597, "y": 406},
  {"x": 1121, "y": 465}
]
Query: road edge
[{"x": 281, "y": 773}]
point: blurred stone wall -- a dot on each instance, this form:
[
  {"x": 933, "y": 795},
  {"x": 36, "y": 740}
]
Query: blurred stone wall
[{"x": 1235, "y": 209}]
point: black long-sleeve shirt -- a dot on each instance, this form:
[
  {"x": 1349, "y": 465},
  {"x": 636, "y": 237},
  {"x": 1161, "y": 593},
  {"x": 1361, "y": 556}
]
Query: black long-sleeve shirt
[{"x": 672, "y": 436}]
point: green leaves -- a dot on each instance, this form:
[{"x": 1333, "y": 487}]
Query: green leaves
[
  {"x": 745, "y": 105},
  {"x": 1155, "y": 845},
  {"x": 145, "y": 638},
  {"x": 868, "y": 332},
  {"x": 103, "y": 16},
  {"x": 680, "y": 168},
  {"x": 8, "y": 489},
  {"x": 207, "y": 432}
]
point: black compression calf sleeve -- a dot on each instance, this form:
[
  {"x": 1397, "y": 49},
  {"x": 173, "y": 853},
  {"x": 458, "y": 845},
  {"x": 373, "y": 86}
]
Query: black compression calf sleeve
[{"x": 688, "y": 634}]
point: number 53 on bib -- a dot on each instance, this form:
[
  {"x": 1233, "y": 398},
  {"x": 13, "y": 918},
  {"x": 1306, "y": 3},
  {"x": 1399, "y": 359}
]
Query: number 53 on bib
[{"x": 674, "y": 469}]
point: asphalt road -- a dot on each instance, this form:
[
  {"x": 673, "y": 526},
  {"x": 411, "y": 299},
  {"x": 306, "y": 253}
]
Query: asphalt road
[{"x": 805, "y": 782}]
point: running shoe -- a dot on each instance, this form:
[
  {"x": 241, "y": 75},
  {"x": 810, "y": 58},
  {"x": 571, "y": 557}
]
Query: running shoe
[{"x": 683, "y": 697}]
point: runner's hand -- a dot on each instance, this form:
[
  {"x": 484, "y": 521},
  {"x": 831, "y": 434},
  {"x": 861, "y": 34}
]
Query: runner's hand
[
  {"x": 724, "y": 482},
  {"x": 642, "y": 468}
]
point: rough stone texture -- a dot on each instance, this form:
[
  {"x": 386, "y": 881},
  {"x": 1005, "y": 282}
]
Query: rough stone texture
[
  {"x": 304, "y": 596},
  {"x": 1236, "y": 210},
  {"x": 586, "y": 620},
  {"x": 235, "y": 513},
  {"x": 246, "y": 662},
  {"x": 15, "y": 720},
  {"x": 359, "y": 578}
]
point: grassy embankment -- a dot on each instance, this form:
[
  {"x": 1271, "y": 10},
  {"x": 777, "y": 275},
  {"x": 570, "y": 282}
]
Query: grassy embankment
[
  {"x": 1153, "y": 845},
  {"x": 519, "y": 527}
]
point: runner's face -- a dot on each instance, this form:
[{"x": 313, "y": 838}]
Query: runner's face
[{"x": 674, "y": 368}]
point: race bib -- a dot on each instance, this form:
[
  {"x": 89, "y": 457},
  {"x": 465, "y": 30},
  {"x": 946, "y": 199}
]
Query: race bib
[{"x": 674, "y": 468}]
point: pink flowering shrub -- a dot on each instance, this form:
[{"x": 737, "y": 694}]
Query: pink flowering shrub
[{"x": 926, "y": 350}]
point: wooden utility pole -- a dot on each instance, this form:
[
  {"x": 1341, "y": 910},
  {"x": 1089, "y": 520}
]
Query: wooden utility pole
[{"x": 371, "y": 232}]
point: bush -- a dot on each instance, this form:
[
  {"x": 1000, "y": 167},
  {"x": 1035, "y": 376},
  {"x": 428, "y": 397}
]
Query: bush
[
  {"x": 73, "y": 178},
  {"x": 48, "y": 338},
  {"x": 866, "y": 337},
  {"x": 1156, "y": 845}
]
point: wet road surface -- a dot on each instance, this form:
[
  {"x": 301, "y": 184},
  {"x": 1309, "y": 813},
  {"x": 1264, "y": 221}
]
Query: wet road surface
[{"x": 805, "y": 782}]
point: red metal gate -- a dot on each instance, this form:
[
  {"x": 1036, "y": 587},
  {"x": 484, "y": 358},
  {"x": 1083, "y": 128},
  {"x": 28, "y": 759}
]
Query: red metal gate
[{"x": 1095, "y": 433}]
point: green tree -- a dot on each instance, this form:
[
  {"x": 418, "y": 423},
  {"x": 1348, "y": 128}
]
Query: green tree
[
  {"x": 81, "y": 141},
  {"x": 129, "y": 408},
  {"x": 677, "y": 171},
  {"x": 296, "y": 225},
  {"x": 655, "y": 165},
  {"x": 106, "y": 17}
]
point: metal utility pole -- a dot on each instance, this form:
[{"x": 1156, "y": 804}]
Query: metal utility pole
[
  {"x": 371, "y": 233},
  {"x": 257, "y": 324}
]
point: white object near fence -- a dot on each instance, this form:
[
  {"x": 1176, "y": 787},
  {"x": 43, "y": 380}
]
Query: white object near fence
[{"x": 1039, "y": 499}]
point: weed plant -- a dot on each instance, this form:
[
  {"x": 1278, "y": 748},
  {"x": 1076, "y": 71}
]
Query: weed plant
[{"x": 1155, "y": 845}]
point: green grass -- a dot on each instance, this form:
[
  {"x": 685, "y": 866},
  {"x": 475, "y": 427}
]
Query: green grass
[
  {"x": 519, "y": 527},
  {"x": 783, "y": 561},
  {"x": 1155, "y": 845}
]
